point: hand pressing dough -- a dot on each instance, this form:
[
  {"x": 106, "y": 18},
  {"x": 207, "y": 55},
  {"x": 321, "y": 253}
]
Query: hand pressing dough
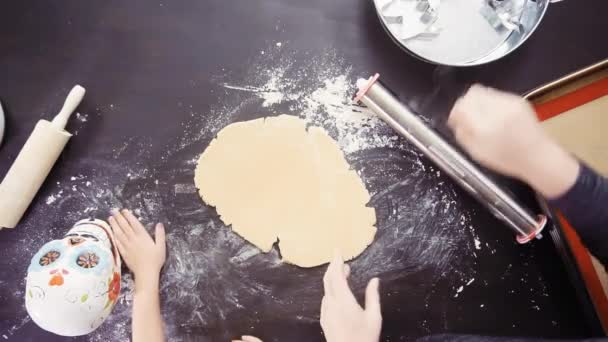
[{"x": 272, "y": 179}]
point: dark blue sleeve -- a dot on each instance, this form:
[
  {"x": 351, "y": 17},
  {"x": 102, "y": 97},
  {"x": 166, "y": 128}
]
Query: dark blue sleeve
[{"x": 585, "y": 206}]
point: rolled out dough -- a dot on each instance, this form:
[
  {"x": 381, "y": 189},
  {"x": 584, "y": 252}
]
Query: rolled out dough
[{"x": 274, "y": 179}]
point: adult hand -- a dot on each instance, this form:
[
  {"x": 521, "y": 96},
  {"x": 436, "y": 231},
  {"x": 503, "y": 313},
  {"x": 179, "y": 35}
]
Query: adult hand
[
  {"x": 144, "y": 256},
  {"x": 501, "y": 131},
  {"x": 498, "y": 129},
  {"x": 342, "y": 318}
]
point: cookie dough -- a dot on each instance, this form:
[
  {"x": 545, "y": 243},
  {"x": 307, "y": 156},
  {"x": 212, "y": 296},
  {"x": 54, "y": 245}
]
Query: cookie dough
[{"x": 274, "y": 180}]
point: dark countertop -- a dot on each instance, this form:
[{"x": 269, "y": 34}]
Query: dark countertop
[{"x": 154, "y": 73}]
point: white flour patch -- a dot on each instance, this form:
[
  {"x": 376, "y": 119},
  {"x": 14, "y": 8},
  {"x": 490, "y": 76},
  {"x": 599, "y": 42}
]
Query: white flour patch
[
  {"x": 418, "y": 212},
  {"x": 458, "y": 291},
  {"x": 461, "y": 288},
  {"x": 477, "y": 243},
  {"x": 184, "y": 189},
  {"x": 321, "y": 93},
  {"x": 51, "y": 199},
  {"x": 82, "y": 117},
  {"x": 357, "y": 128}
]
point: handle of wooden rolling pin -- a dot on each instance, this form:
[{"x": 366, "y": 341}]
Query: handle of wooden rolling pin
[
  {"x": 34, "y": 162},
  {"x": 69, "y": 106}
]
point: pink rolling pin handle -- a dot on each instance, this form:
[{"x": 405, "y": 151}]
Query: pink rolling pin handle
[
  {"x": 540, "y": 225},
  {"x": 364, "y": 87}
]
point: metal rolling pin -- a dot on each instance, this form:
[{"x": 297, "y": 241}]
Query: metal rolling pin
[{"x": 377, "y": 98}]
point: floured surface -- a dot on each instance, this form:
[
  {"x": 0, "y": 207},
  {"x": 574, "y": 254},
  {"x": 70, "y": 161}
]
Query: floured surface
[
  {"x": 432, "y": 239},
  {"x": 274, "y": 180},
  {"x": 215, "y": 285}
]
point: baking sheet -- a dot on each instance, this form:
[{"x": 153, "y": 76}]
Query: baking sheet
[{"x": 573, "y": 110}]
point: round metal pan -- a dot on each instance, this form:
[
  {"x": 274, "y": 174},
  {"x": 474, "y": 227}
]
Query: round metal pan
[{"x": 466, "y": 38}]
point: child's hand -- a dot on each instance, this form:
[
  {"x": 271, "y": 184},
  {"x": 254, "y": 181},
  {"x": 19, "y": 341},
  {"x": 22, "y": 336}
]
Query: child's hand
[
  {"x": 342, "y": 318},
  {"x": 143, "y": 256}
]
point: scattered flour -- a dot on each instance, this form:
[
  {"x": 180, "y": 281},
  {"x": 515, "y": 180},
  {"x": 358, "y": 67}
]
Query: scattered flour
[
  {"x": 321, "y": 93},
  {"x": 323, "y": 98},
  {"x": 458, "y": 291},
  {"x": 357, "y": 127},
  {"x": 82, "y": 117},
  {"x": 461, "y": 288},
  {"x": 273, "y": 91},
  {"x": 477, "y": 243},
  {"x": 205, "y": 255},
  {"x": 51, "y": 199}
]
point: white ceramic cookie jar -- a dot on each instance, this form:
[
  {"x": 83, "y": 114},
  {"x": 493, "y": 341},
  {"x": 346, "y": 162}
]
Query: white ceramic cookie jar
[{"x": 72, "y": 284}]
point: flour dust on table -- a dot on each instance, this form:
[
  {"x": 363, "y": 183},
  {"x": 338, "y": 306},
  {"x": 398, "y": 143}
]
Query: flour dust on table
[{"x": 423, "y": 233}]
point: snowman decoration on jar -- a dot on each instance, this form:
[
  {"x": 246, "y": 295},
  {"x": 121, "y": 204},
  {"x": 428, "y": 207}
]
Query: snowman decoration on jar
[{"x": 72, "y": 284}]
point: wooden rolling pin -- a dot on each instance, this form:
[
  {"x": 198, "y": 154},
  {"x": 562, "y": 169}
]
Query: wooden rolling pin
[{"x": 35, "y": 161}]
